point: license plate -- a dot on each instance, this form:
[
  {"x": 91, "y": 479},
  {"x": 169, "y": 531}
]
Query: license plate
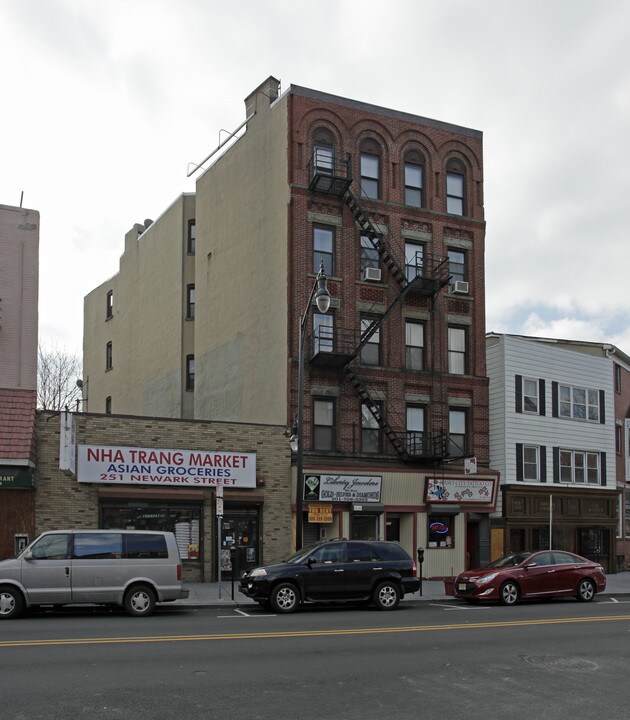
[{"x": 461, "y": 586}]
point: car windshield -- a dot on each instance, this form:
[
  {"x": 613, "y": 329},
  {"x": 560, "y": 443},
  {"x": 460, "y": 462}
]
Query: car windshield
[
  {"x": 299, "y": 556},
  {"x": 511, "y": 560}
]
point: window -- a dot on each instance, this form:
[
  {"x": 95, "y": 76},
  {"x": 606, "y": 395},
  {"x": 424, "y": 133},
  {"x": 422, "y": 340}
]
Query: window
[
  {"x": 190, "y": 302},
  {"x": 108, "y": 405},
  {"x": 579, "y": 403},
  {"x": 618, "y": 438},
  {"x": 323, "y": 243},
  {"x": 370, "y": 175},
  {"x": 455, "y": 187},
  {"x": 52, "y": 547},
  {"x": 530, "y": 396},
  {"x": 192, "y": 236},
  {"x": 414, "y": 345},
  {"x": 577, "y": 466},
  {"x": 457, "y": 265},
  {"x": 190, "y": 372},
  {"x": 530, "y": 463},
  {"x": 324, "y": 158},
  {"x": 108, "y": 356},
  {"x": 109, "y": 308},
  {"x": 617, "y": 378},
  {"x": 370, "y": 430},
  {"x": 323, "y": 425},
  {"x": 457, "y": 350},
  {"x": 440, "y": 531},
  {"x": 369, "y": 254},
  {"x": 323, "y": 332},
  {"x": 97, "y": 546},
  {"x": 627, "y": 513},
  {"x": 415, "y": 429},
  {"x": 457, "y": 433},
  {"x": 371, "y": 351},
  {"x": 414, "y": 258},
  {"x": 413, "y": 184}
]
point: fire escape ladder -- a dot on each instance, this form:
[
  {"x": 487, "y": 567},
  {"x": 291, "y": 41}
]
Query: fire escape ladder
[
  {"x": 362, "y": 217},
  {"x": 390, "y": 434}
]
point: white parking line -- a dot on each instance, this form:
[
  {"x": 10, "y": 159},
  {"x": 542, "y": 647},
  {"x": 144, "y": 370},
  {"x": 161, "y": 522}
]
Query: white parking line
[{"x": 461, "y": 607}]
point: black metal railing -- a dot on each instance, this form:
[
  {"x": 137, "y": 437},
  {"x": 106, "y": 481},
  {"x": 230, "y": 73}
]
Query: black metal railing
[{"x": 328, "y": 174}]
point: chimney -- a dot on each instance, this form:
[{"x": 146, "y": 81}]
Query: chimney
[{"x": 262, "y": 96}]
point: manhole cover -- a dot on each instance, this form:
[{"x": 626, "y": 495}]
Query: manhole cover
[{"x": 560, "y": 662}]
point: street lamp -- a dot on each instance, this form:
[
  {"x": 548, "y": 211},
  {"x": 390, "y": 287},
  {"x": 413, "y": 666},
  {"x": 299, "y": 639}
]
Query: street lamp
[{"x": 320, "y": 294}]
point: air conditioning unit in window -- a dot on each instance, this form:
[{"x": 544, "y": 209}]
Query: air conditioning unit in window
[
  {"x": 372, "y": 274},
  {"x": 459, "y": 287}
]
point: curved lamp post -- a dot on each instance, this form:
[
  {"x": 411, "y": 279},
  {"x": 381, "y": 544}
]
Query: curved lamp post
[{"x": 320, "y": 294}]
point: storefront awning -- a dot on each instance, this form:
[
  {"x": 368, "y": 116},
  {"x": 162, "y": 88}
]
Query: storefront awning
[{"x": 443, "y": 509}]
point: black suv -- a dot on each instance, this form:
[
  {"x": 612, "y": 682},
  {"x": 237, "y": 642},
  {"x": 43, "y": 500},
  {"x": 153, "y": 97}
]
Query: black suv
[{"x": 338, "y": 570}]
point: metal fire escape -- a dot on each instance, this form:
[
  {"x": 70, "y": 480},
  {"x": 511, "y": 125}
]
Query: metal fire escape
[{"x": 424, "y": 275}]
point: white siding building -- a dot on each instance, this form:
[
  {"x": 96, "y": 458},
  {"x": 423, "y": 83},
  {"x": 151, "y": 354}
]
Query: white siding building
[{"x": 552, "y": 437}]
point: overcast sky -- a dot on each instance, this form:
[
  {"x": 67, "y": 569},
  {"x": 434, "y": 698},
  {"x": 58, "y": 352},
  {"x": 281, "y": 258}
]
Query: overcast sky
[{"x": 105, "y": 102}]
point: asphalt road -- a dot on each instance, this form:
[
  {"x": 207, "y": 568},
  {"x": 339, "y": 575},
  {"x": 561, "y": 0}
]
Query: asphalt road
[{"x": 544, "y": 660}]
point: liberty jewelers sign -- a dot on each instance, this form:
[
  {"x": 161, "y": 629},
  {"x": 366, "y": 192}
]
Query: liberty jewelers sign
[{"x": 151, "y": 466}]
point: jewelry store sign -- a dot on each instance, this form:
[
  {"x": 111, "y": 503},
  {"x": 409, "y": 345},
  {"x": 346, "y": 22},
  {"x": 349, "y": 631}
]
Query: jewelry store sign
[
  {"x": 342, "y": 488},
  {"x": 151, "y": 466},
  {"x": 459, "y": 490}
]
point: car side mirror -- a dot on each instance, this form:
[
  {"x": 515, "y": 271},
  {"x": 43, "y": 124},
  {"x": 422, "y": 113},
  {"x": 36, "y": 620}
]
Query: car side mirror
[
  {"x": 28, "y": 555},
  {"x": 311, "y": 561},
  {"x": 530, "y": 565}
]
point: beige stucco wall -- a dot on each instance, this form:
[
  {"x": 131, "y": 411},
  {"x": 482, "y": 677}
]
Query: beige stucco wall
[
  {"x": 149, "y": 333},
  {"x": 242, "y": 273},
  {"x": 19, "y": 283}
]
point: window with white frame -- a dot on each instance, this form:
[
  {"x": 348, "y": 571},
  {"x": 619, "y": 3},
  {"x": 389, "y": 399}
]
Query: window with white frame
[
  {"x": 414, "y": 260},
  {"x": 370, "y": 429},
  {"x": 371, "y": 351},
  {"x": 370, "y": 175},
  {"x": 580, "y": 467},
  {"x": 530, "y": 396},
  {"x": 415, "y": 429},
  {"x": 457, "y": 265},
  {"x": 457, "y": 432},
  {"x": 413, "y": 184},
  {"x": 323, "y": 332},
  {"x": 578, "y": 403},
  {"x": 531, "y": 463},
  {"x": 457, "y": 350}
]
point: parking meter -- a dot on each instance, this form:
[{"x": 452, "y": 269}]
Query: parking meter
[{"x": 420, "y": 561}]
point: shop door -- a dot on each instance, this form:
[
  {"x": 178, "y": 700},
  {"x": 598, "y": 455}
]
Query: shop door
[
  {"x": 364, "y": 527},
  {"x": 392, "y": 529},
  {"x": 239, "y": 543}
]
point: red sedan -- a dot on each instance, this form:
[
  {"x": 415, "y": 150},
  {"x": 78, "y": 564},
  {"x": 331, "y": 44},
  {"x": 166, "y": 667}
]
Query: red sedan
[{"x": 526, "y": 575}]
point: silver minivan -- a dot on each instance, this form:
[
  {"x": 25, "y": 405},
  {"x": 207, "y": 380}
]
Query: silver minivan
[{"x": 131, "y": 568}]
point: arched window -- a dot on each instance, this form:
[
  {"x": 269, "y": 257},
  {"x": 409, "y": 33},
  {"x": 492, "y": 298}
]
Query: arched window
[
  {"x": 414, "y": 179},
  {"x": 455, "y": 185},
  {"x": 370, "y": 169},
  {"x": 323, "y": 151}
]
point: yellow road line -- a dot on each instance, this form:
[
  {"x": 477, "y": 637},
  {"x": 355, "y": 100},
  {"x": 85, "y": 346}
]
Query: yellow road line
[{"x": 306, "y": 633}]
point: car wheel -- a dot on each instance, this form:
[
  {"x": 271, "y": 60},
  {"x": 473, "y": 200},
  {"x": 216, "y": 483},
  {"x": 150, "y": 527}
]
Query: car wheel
[
  {"x": 284, "y": 598},
  {"x": 140, "y": 601},
  {"x": 386, "y": 595},
  {"x": 585, "y": 591},
  {"x": 509, "y": 593},
  {"x": 11, "y": 603}
]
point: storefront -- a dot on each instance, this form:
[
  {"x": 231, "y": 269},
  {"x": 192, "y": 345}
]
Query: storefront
[
  {"x": 573, "y": 519},
  {"x": 161, "y": 474},
  {"x": 448, "y": 515}
]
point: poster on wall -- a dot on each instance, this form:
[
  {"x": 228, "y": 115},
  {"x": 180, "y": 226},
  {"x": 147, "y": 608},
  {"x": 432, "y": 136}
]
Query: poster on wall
[{"x": 119, "y": 465}]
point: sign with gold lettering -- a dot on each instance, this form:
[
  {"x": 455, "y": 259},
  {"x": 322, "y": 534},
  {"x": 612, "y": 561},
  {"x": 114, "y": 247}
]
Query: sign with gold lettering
[{"x": 13, "y": 478}]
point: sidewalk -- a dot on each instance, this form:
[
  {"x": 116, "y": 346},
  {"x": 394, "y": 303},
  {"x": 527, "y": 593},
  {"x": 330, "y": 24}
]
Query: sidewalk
[{"x": 207, "y": 595}]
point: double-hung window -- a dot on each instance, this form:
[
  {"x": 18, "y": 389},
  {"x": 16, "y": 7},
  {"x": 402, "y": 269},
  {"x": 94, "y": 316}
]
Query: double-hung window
[
  {"x": 457, "y": 432},
  {"x": 323, "y": 248},
  {"x": 109, "y": 356},
  {"x": 579, "y": 466},
  {"x": 578, "y": 403},
  {"x": 414, "y": 345},
  {"x": 414, "y": 260},
  {"x": 457, "y": 350},
  {"x": 369, "y": 254},
  {"x": 457, "y": 265},
  {"x": 370, "y": 429},
  {"x": 324, "y": 158},
  {"x": 190, "y": 372},
  {"x": 323, "y": 424},
  {"x": 371, "y": 351},
  {"x": 370, "y": 175},
  {"x": 190, "y": 302},
  {"x": 192, "y": 236},
  {"x": 415, "y": 429},
  {"x": 530, "y": 396},
  {"x": 413, "y": 184},
  {"x": 109, "y": 307},
  {"x": 531, "y": 464},
  {"x": 323, "y": 332}
]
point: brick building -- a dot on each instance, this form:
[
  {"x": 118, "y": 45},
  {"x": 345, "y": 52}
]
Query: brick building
[{"x": 395, "y": 431}]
